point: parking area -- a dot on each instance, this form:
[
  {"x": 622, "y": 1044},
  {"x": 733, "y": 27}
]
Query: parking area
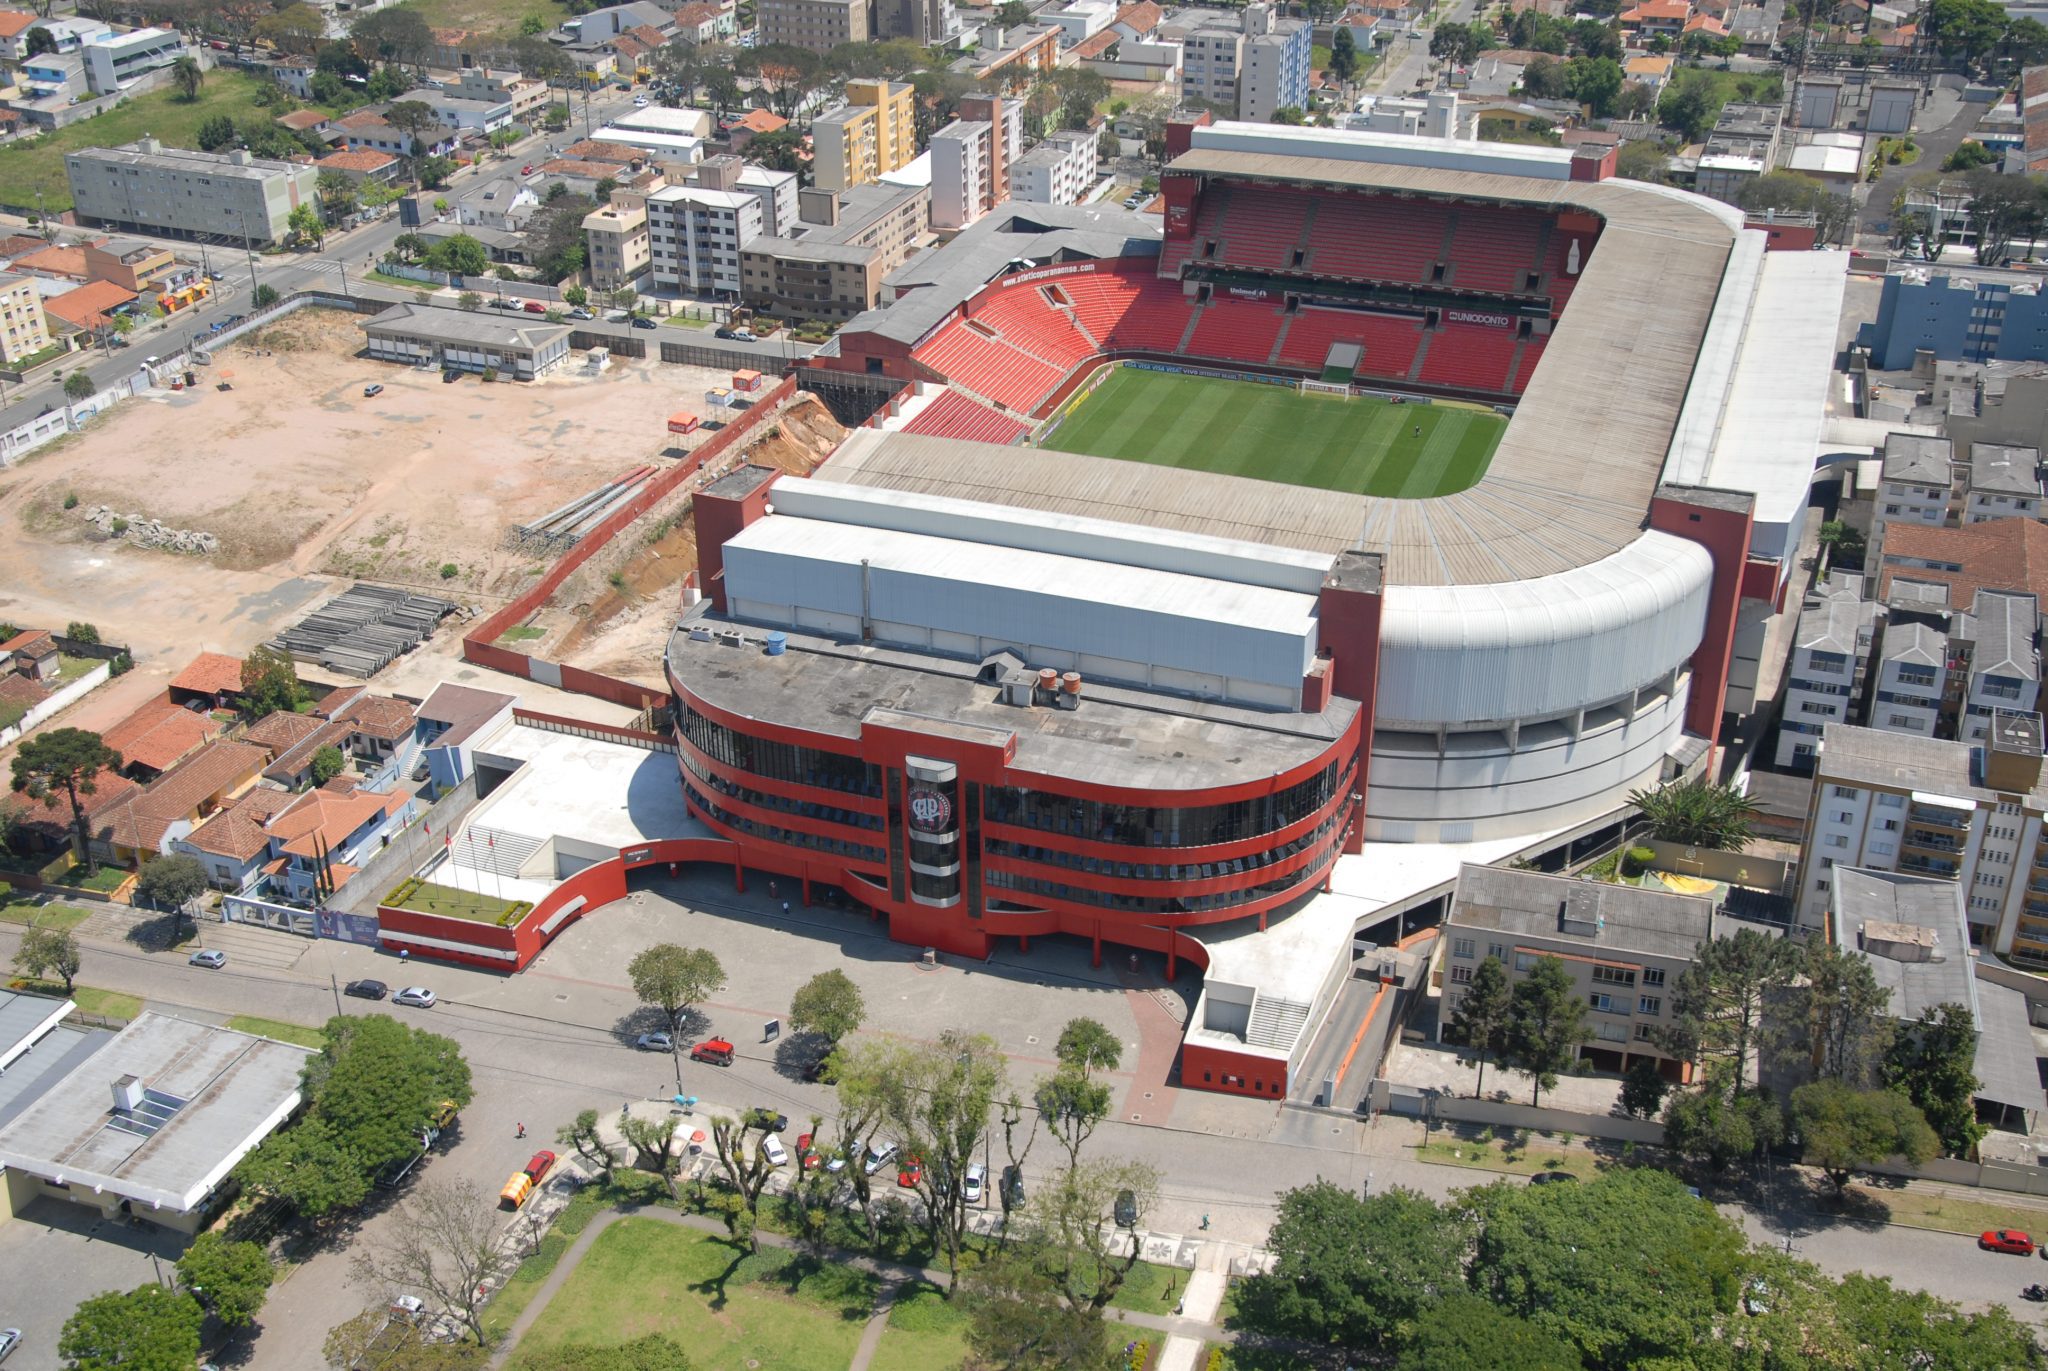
[{"x": 56, "y": 1255}]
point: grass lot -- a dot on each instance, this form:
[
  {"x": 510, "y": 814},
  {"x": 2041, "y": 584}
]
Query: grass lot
[
  {"x": 1939, "y": 1210},
  {"x": 487, "y": 16},
  {"x": 428, "y": 898},
  {"x": 37, "y": 164},
  {"x": 402, "y": 282},
  {"x": 1241, "y": 428},
  {"x": 17, "y": 907},
  {"x": 520, "y": 633},
  {"x": 111, "y": 1004},
  {"x": 278, "y": 1029},
  {"x": 731, "y": 1310},
  {"x": 106, "y": 879},
  {"x": 925, "y": 1333},
  {"x": 1522, "y": 1155},
  {"x": 1252, "y": 1359},
  {"x": 1151, "y": 1289}
]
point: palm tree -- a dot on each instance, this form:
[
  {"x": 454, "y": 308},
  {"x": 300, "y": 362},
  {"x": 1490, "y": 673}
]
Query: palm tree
[
  {"x": 189, "y": 76},
  {"x": 1698, "y": 813}
]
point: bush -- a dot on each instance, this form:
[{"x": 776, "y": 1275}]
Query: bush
[
  {"x": 78, "y": 631},
  {"x": 120, "y": 526},
  {"x": 1637, "y": 860},
  {"x": 122, "y": 665},
  {"x": 449, "y": 571},
  {"x": 490, "y": 373},
  {"x": 71, "y": 502},
  {"x": 265, "y": 296}
]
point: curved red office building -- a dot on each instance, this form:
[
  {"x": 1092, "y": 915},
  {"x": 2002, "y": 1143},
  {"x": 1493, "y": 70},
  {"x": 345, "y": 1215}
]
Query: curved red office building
[{"x": 969, "y": 801}]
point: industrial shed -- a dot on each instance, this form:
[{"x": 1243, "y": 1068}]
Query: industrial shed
[{"x": 519, "y": 347}]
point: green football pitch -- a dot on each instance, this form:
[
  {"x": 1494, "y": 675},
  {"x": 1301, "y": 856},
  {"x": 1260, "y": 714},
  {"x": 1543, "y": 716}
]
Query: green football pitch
[{"x": 1241, "y": 428}]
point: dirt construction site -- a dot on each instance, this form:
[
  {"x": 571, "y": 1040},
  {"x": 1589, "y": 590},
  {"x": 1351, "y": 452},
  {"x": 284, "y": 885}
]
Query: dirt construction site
[{"x": 307, "y": 485}]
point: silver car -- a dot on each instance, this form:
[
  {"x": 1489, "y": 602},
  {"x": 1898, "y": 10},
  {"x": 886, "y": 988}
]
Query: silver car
[
  {"x": 208, "y": 958},
  {"x": 418, "y": 996}
]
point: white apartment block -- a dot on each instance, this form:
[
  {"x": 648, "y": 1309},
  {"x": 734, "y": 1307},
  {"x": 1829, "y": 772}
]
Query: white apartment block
[
  {"x": 1058, "y": 171},
  {"x": 1948, "y": 810},
  {"x": 117, "y": 60},
  {"x": 1999, "y": 645},
  {"x": 960, "y": 173},
  {"x": 696, "y": 236},
  {"x": 1830, "y": 644},
  {"x": 1209, "y": 61},
  {"x": 1911, "y": 674},
  {"x": 776, "y": 190},
  {"x": 1918, "y": 475},
  {"x": 2001, "y": 482}
]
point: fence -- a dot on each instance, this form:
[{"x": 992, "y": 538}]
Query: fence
[
  {"x": 407, "y": 851},
  {"x": 729, "y": 358},
  {"x": 480, "y": 644},
  {"x": 1416, "y": 1103},
  {"x": 77, "y": 690}
]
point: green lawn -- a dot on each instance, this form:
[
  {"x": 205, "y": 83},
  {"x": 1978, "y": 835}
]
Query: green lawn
[
  {"x": 487, "y": 16},
  {"x": 428, "y": 898},
  {"x": 1521, "y": 1155},
  {"x": 111, "y": 1004},
  {"x": 106, "y": 879},
  {"x": 731, "y": 1310},
  {"x": 1151, "y": 1289},
  {"x": 925, "y": 1333},
  {"x": 1241, "y": 428},
  {"x": 37, "y": 164},
  {"x": 17, "y": 907},
  {"x": 278, "y": 1029}
]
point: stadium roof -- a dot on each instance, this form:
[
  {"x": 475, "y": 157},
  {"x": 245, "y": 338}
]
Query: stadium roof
[{"x": 1574, "y": 475}]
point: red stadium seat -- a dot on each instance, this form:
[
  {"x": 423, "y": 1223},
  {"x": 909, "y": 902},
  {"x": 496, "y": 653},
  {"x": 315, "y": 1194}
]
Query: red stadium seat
[{"x": 1471, "y": 357}]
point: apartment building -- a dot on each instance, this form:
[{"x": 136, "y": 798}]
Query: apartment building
[
  {"x": 831, "y": 267},
  {"x": 1909, "y": 678},
  {"x": 2001, "y": 482},
  {"x": 616, "y": 242},
  {"x": 930, "y": 22},
  {"x": 1947, "y": 810},
  {"x": 1058, "y": 171},
  {"x": 118, "y": 60},
  {"x": 875, "y": 134},
  {"x": 526, "y": 96},
  {"x": 972, "y": 159},
  {"x": 22, "y": 330},
  {"x": 819, "y": 25},
  {"x": 1918, "y": 473},
  {"x": 1624, "y": 947},
  {"x": 1831, "y": 642},
  {"x": 1257, "y": 68},
  {"x": 143, "y": 187},
  {"x": 695, "y": 235},
  {"x": 1997, "y": 654}
]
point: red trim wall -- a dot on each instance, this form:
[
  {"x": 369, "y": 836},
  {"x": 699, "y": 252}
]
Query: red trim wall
[{"x": 1724, "y": 533}]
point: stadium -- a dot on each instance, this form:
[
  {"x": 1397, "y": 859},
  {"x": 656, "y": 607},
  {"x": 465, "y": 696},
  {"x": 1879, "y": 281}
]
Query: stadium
[{"x": 1215, "y": 583}]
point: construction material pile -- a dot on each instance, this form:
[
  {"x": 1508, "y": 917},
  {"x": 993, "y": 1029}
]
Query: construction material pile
[
  {"x": 360, "y": 631},
  {"x": 555, "y": 532}
]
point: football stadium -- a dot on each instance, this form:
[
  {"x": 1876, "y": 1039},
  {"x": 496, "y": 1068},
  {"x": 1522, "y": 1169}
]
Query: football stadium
[{"x": 1214, "y": 583}]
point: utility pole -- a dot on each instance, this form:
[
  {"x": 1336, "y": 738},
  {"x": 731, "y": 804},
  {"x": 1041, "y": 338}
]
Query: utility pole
[{"x": 335, "y": 986}]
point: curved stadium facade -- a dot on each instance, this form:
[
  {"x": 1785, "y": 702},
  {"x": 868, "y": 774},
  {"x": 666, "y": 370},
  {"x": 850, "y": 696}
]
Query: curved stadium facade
[{"x": 997, "y": 691}]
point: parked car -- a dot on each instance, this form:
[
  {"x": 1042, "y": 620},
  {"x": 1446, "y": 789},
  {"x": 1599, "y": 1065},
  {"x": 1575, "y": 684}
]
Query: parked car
[
  {"x": 450, "y": 376},
  {"x": 581, "y": 313},
  {"x": 1013, "y": 1187},
  {"x": 2007, "y": 1240},
  {"x": 209, "y": 958},
  {"x": 1126, "y": 1209},
  {"x": 972, "y": 1182},
  {"x": 767, "y": 1120},
  {"x": 418, "y": 996},
  {"x": 372, "y": 390},
  {"x": 500, "y": 302},
  {"x": 409, "y": 1305},
  {"x": 655, "y": 1042},
  {"x": 10, "y": 1338},
  {"x": 736, "y": 335},
  {"x": 878, "y": 1157},
  {"x": 526, "y": 170},
  {"x": 539, "y": 1164},
  {"x": 642, "y": 321},
  {"x": 716, "y": 1051},
  {"x": 367, "y": 990},
  {"x": 772, "y": 1147},
  {"x": 910, "y": 1173},
  {"x": 535, "y": 307},
  {"x": 639, "y": 102},
  {"x": 1551, "y": 1177}
]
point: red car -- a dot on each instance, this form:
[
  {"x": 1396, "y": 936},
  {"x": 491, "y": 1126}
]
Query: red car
[
  {"x": 2007, "y": 1240},
  {"x": 911, "y": 1173},
  {"x": 538, "y": 1166},
  {"x": 526, "y": 170},
  {"x": 536, "y": 307}
]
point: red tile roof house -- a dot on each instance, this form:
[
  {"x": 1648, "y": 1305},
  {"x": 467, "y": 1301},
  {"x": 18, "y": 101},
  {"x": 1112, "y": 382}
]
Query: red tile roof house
[
  {"x": 140, "y": 825},
  {"x": 18, "y": 695},
  {"x": 232, "y": 845},
  {"x": 211, "y": 678},
  {"x": 31, "y": 653},
  {"x": 158, "y": 736},
  {"x": 326, "y": 837}
]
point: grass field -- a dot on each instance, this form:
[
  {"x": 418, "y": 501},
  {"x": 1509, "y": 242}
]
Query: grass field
[
  {"x": 37, "y": 164},
  {"x": 1271, "y": 433},
  {"x": 278, "y": 1029}
]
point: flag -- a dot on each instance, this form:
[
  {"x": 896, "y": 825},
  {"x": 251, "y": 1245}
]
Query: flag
[{"x": 493, "y": 840}]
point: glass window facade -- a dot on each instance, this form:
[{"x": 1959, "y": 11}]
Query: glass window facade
[
  {"x": 777, "y": 761},
  {"x": 1147, "y": 826}
]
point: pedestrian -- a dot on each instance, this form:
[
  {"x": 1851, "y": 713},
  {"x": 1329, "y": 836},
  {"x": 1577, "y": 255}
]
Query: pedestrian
[
  {"x": 1418, "y": 430},
  {"x": 522, "y": 1130},
  {"x": 404, "y": 956}
]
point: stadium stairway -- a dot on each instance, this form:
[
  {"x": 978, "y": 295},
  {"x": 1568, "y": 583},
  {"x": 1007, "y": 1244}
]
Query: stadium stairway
[
  {"x": 1194, "y": 322},
  {"x": 1421, "y": 356},
  {"x": 1280, "y": 339}
]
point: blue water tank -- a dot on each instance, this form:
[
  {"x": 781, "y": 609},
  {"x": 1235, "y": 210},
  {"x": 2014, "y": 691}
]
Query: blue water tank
[{"x": 778, "y": 642}]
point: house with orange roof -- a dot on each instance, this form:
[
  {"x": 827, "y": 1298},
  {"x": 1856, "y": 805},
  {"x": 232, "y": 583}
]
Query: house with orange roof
[
  {"x": 31, "y": 653},
  {"x": 14, "y": 27},
  {"x": 233, "y": 845},
  {"x": 1654, "y": 17},
  {"x": 91, "y": 306},
  {"x": 741, "y": 132},
  {"x": 62, "y": 261},
  {"x": 158, "y": 736},
  {"x": 363, "y": 164},
  {"x": 213, "y": 678},
  {"x": 141, "y": 825},
  {"x": 1707, "y": 24},
  {"x": 326, "y": 836}
]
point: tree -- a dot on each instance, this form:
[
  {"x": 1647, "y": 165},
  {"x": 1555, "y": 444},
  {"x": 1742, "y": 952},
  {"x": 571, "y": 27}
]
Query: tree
[
  {"x": 1463, "y": 1331},
  {"x": 1800, "y": 194},
  {"x": 1594, "y": 82},
  {"x": 584, "y": 1137},
  {"x": 305, "y": 225},
  {"x": 828, "y": 1003},
  {"x": 79, "y": 631},
  {"x": 1912, "y": 1328},
  {"x": 65, "y": 764},
  {"x": 411, "y": 117},
  {"x": 270, "y": 683},
  {"x": 1717, "y": 1007},
  {"x": 307, "y": 1167},
  {"x": 459, "y": 254},
  {"x": 1088, "y": 1047},
  {"x": 1698, "y": 813},
  {"x": 1080, "y": 92},
  {"x": 188, "y": 76},
  {"x": 48, "y": 952},
  {"x": 1710, "y": 1127},
  {"x": 786, "y": 73},
  {"x": 327, "y": 764},
  {"x": 79, "y": 384},
  {"x": 578, "y": 297},
  {"x": 1354, "y": 1273},
  {"x": 229, "y": 1279},
  {"x": 1965, "y": 28},
  {"x": 939, "y": 1103},
  {"x": 1840, "y": 1010},
  {"x": 2003, "y": 208},
  {"x": 1480, "y": 1020},
  {"x": 433, "y": 172},
  {"x": 1628, "y": 1267},
  {"x": 1543, "y": 78},
  {"x": 1643, "y": 1088},
  {"x": 147, "y": 1329},
  {"x": 673, "y": 978},
  {"x": 778, "y": 150},
  {"x": 264, "y": 296},
  {"x": 661, "y": 1151},
  {"x": 1841, "y": 1128},
  {"x": 172, "y": 883},
  {"x": 216, "y": 131},
  {"x": 38, "y": 41},
  {"x": 1545, "y": 1027},
  {"x": 1968, "y": 156},
  {"x": 654, "y": 1352},
  {"x": 446, "y": 1244},
  {"x": 399, "y": 34},
  {"x": 1689, "y": 106},
  {"x": 1934, "y": 1062},
  {"x": 295, "y": 30},
  {"x": 747, "y": 1171},
  {"x": 469, "y": 300},
  {"x": 1460, "y": 44},
  {"x": 1071, "y": 1106},
  {"x": 1013, "y": 14},
  {"x": 1343, "y": 54}
]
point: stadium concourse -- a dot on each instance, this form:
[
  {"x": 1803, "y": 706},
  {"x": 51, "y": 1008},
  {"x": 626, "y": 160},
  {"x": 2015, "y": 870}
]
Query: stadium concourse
[{"x": 996, "y": 691}]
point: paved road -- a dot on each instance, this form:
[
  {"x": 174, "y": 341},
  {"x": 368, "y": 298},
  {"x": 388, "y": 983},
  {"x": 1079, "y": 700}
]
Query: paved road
[{"x": 1942, "y": 124}]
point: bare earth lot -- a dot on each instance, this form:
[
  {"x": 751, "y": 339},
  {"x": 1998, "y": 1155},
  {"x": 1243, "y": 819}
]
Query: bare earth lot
[{"x": 303, "y": 479}]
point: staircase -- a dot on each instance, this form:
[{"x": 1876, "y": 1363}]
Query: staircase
[
  {"x": 1421, "y": 354},
  {"x": 1194, "y": 322},
  {"x": 1280, "y": 340},
  {"x": 1276, "y": 1023},
  {"x": 495, "y": 850},
  {"x": 409, "y": 756}
]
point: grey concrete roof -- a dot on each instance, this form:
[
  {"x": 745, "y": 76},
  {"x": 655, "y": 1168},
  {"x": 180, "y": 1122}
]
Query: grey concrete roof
[
  {"x": 1860, "y": 897},
  {"x": 23, "y": 1018},
  {"x": 1916, "y": 644},
  {"x": 2008, "y": 1071},
  {"x": 2005, "y": 627},
  {"x": 1913, "y": 457},
  {"x": 29, "y": 1077},
  {"x": 1904, "y": 761},
  {"x": 1837, "y": 624},
  {"x": 214, "y": 1094},
  {"x": 484, "y": 328},
  {"x": 1627, "y": 919},
  {"x": 1117, "y": 737},
  {"x": 2001, "y": 470}
]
